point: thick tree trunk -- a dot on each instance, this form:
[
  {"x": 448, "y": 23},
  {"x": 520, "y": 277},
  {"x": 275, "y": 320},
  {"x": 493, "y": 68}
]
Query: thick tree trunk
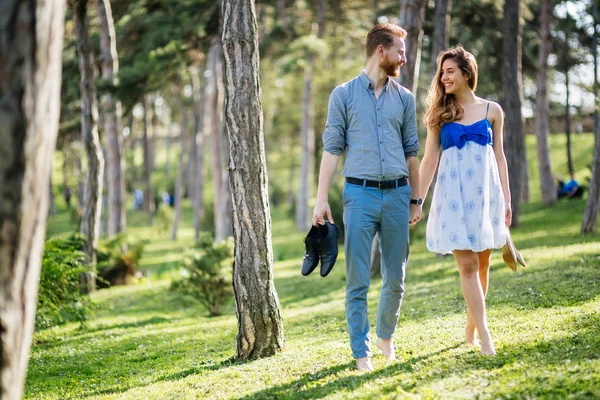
[
  {"x": 111, "y": 109},
  {"x": 548, "y": 188},
  {"x": 441, "y": 29},
  {"x": 199, "y": 88},
  {"x": 179, "y": 186},
  {"x": 412, "y": 14},
  {"x": 31, "y": 40},
  {"x": 592, "y": 206},
  {"x": 514, "y": 143},
  {"x": 90, "y": 221},
  {"x": 260, "y": 327},
  {"x": 147, "y": 170}
]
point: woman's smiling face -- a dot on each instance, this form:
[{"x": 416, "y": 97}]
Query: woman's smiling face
[{"x": 452, "y": 77}]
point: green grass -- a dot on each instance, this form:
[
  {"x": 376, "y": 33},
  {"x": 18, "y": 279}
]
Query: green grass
[{"x": 148, "y": 342}]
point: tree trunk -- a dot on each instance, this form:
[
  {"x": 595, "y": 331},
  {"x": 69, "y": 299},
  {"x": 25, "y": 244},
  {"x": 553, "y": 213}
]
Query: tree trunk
[
  {"x": 514, "y": 143},
  {"x": 214, "y": 106},
  {"x": 111, "y": 111},
  {"x": 90, "y": 221},
  {"x": 169, "y": 141},
  {"x": 568, "y": 125},
  {"x": 307, "y": 141},
  {"x": 147, "y": 171},
  {"x": 441, "y": 24},
  {"x": 52, "y": 203},
  {"x": 260, "y": 327},
  {"x": 30, "y": 80},
  {"x": 199, "y": 88},
  {"x": 179, "y": 186},
  {"x": 219, "y": 149},
  {"x": 547, "y": 185},
  {"x": 412, "y": 14},
  {"x": 592, "y": 206}
]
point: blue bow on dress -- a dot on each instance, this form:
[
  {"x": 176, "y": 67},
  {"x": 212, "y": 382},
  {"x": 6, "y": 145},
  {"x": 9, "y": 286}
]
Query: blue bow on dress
[{"x": 455, "y": 134}]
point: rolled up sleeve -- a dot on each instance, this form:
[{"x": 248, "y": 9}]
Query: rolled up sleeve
[
  {"x": 410, "y": 138},
  {"x": 334, "y": 136}
]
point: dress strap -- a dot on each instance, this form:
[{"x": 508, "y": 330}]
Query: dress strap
[{"x": 487, "y": 109}]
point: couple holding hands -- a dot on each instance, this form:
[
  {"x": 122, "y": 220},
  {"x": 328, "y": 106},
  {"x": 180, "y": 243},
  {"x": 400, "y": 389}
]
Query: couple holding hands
[{"x": 373, "y": 119}]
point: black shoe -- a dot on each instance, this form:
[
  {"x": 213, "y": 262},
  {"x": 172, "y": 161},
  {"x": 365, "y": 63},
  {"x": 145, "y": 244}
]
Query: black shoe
[
  {"x": 328, "y": 247},
  {"x": 311, "y": 254}
]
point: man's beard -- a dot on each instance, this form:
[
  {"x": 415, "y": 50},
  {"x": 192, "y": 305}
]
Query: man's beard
[{"x": 390, "y": 68}]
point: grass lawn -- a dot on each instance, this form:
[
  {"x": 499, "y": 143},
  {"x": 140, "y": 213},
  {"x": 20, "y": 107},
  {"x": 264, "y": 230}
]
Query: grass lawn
[{"x": 147, "y": 342}]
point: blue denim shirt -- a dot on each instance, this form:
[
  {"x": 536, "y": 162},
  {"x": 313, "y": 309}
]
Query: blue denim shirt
[{"x": 377, "y": 134}]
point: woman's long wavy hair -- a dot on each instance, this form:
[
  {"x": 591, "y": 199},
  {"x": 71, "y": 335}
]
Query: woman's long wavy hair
[{"x": 442, "y": 107}]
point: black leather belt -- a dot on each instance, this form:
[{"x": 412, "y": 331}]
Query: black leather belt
[{"x": 393, "y": 184}]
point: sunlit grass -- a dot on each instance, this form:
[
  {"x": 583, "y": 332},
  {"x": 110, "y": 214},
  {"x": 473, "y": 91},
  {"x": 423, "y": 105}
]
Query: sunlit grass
[{"x": 149, "y": 342}]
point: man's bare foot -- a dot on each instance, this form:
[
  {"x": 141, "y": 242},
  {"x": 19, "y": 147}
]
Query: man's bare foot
[
  {"x": 387, "y": 348},
  {"x": 364, "y": 364}
]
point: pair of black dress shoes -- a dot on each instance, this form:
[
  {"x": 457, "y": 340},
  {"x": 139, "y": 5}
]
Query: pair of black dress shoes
[{"x": 321, "y": 245}]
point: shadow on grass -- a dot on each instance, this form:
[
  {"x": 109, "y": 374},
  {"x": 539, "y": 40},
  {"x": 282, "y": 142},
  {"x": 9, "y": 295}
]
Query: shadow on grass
[{"x": 300, "y": 388}]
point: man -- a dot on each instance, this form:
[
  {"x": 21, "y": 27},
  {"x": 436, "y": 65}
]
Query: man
[{"x": 373, "y": 119}]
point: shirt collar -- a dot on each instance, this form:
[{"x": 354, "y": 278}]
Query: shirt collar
[{"x": 367, "y": 83}]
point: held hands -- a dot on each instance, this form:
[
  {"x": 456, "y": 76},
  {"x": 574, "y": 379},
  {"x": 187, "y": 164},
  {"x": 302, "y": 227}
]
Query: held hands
[
  {"x": 414, "y": 214},
  {"x": 322, "y": 209}
]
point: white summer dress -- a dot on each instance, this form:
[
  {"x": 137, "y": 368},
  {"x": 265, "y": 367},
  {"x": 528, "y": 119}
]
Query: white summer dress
[{"x": 467, "y": 210}]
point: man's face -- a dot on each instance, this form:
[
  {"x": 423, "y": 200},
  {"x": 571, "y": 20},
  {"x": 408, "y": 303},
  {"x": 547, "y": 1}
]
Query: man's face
[{"x": 394, "y": 57}]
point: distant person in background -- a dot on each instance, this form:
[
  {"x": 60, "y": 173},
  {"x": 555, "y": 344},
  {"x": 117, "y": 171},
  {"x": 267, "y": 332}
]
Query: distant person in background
[
  {"x": 570, "y": 188},
  {"x": 138, "y": 199}
]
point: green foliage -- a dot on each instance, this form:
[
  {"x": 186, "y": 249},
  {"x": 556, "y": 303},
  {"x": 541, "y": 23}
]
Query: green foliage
[
  {"x": 209, "y": 268},
  {"x": 59, "y": 297},
  {"x": 118, "y": 260}
]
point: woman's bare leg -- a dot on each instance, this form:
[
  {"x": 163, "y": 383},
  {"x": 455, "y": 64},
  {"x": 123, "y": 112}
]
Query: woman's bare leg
[
  {"x": 485, "y": 258},
  {"x": 468, "y": 267}
]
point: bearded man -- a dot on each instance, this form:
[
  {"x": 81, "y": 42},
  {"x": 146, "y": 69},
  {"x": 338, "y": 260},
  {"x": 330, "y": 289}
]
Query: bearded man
[{"x": 373, "y": 119}]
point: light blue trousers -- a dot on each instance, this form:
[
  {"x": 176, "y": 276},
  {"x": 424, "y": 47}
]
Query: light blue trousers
[{"x": 366, "y": 211}]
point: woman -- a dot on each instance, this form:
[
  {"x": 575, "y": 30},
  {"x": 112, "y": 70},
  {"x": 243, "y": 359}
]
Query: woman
[{"x": 471, "y": 196}]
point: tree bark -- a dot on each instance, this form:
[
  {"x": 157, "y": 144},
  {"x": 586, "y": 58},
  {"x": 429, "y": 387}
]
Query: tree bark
[
  {"x": 199, "y": 88},
  {"x": 111, "y": 110},
  {"x": 514, "y": 143},
  {"x": 147, "y": 170},
  {"x": 90, "y": 222},
  {"x": 592, "y": 206},
  {"x": 547, "y": 185},
  {"x": 31, "y": 41},
  {"x": 260, "y": 327},
  {"x": 412, "y": 14},
  {"x": 179, "y": 186}
]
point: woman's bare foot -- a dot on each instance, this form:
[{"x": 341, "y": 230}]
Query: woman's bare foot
[
  {"x": 470, "y": 335},
  {"x": 487, "y": 347}
]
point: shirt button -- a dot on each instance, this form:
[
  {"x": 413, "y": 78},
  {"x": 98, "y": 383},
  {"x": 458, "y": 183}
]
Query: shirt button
[
  {"x": 380, "y": 142},
  {"x": 382, "y": 160}
]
